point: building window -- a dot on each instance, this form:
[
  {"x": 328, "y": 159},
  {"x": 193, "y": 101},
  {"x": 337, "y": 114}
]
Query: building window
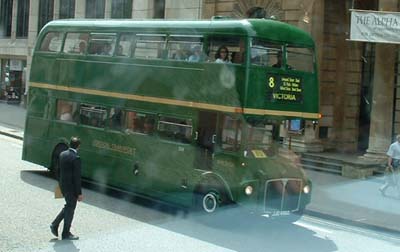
[
  {"x": 22, "y": 18},
  {"x": 159, "y": 8},
  {"x": 5, "y": 18},
  {"x": 67, "y": 9},
  {"x": 95, "y": 8},
  {"x": 121, "y": 9},
  {"x": 46, "y": 8}
]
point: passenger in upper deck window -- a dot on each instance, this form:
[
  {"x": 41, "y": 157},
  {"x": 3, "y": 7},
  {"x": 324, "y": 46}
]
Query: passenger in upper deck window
[
  {"x": 238, "y": 57},
  {"x": 120, "y": 51},
  {"x": 278, "y": 63},
  {"x": 179, "y": 55},
  {"x": 222, "y": 55},
  {"x": 195, "y": 57},
  {"x": 106, "y": 50},
  {"x": 82, "y": 47}
]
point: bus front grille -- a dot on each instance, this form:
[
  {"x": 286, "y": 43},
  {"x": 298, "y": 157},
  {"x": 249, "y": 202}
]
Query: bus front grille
[{"x": 282, "y": 195}]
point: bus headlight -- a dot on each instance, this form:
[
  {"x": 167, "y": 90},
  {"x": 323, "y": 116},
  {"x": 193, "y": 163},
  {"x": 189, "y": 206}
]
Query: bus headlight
[
  {"x": 248, "y": 190},
  {"x": 306, "y": 189}
]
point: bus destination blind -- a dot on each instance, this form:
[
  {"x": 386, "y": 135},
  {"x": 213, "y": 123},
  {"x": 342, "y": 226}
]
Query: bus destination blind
[{"x": 284, "y": 89}]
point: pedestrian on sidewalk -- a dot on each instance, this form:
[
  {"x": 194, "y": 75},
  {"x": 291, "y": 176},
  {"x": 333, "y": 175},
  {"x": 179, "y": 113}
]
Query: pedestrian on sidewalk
[
  {"x": 391, "y": 176},
  {"x": 70, "y": 184}
]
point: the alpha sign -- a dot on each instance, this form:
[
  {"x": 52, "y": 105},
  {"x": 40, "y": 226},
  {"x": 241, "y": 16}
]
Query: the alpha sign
[{"x": 375, "y": 26}]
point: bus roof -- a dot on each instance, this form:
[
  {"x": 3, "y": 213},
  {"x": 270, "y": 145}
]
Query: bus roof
[{"x": 262, "y": 28}]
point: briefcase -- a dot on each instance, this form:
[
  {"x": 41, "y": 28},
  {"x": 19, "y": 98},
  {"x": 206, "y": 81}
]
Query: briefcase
[{"x": 57, "y": 192}]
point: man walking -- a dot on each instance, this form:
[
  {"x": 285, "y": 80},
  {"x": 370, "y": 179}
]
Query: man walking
[
  {"x": 393, "y": 166},
  {"x": 70, "y": 184}
]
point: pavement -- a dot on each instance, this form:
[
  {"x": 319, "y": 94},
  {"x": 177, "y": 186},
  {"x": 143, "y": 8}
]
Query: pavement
[{"x": 353, "y": 201}]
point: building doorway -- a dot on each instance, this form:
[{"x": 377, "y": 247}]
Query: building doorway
[{"x": 364, "y": 120}]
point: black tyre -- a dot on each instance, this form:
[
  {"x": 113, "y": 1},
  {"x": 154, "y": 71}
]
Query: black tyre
[{"x": 209, "y": 201}]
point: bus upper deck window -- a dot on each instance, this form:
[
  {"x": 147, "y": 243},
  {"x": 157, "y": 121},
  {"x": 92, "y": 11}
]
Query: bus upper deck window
[
  {"x": 187, "y": 48},
  {"x": 51, "y": 42},
  {"x": 124, "y": 47},
  {"x": 102, "y": 44},
  {"x": 264, "y": 53},
  {"x": 300, "y": 59},
  {"x": 76, "y": 43},
  {"x": 234, "y": 46},
  {"x": 149, "y": 46}
]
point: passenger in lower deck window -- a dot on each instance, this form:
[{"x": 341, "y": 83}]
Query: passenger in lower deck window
[{"x": 148, "y": 126}]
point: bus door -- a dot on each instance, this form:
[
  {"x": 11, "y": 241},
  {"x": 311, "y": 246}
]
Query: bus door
[
  {"x": 138, "y": 128},
  {"x": 169, "y": 167},
  {"x": 229, "y": 139},
  {"x": 207, "y": 123}
]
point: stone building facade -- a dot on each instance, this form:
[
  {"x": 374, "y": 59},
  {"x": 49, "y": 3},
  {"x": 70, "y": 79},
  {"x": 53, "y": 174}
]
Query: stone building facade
[
  {"x": 358, "y": 95},
  {"x": 359, "y": 99}
]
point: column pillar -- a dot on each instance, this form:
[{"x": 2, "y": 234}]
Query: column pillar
[
  {"x": 56, "y": 10},
  {"x": 14, "y": 20},
  {"x": 107, "y": 12},
  {"x": 142, "y": 9},
  {"x": 80, "y": 8},
  {"x": 32, "y": 35},
  {"x": 190, "y": 10},
  {"x": 380, "y": 134}
]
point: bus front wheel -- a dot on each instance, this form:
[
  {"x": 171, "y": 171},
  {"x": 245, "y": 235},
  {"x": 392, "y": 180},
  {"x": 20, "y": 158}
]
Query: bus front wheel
[{"x": 209, "y": 201}]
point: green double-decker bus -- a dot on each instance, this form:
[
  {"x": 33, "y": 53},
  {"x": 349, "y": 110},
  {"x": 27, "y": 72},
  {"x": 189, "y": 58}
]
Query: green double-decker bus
[{"x": 187, "y": 112}]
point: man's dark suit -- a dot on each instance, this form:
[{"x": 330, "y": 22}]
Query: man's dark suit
[{"x": 70, "y": 184}]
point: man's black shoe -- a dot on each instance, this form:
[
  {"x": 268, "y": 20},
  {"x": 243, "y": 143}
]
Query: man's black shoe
[
  {"x": 70, "y": 237},
  {"x": 54, "y": 230}
]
